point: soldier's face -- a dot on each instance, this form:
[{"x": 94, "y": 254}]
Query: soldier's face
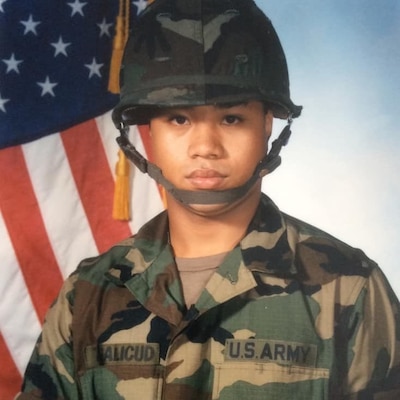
[{"x": 210, "y": 147}]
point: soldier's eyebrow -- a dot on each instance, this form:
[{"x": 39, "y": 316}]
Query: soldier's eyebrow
[
  {"x": 155, "y": 112},
  {"x": 230, "y": 105}
]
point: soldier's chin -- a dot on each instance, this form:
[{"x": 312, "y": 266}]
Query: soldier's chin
[{"x": 211, "y": 210}]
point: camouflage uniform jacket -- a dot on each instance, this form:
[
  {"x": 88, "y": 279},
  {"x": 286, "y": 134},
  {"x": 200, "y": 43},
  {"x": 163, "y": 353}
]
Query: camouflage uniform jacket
[{"x": 291, "y": 313}]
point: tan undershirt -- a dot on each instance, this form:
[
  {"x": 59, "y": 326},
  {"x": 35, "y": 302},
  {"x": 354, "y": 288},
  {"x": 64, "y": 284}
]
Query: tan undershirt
[{"x": 195, "y": 273}]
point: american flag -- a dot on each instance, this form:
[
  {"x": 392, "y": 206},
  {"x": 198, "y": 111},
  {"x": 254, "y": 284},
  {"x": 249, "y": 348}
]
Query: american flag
[{"x": 57, "y": 160}]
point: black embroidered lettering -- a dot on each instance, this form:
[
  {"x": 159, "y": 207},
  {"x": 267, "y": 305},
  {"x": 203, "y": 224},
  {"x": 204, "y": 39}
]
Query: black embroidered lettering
[
  {"x": 234, "y": 349},
  {"x": 117, "y": 354},
  {"x": 293, "y": 353},
  {"x": 249, "y": 350},
  {"x": 149, "y": 354},
  {"x": 279, "y": 352},
  {"x": 305, "y": 352},
  {"x": 266, "y": 352},
  {"x": 107, "y": 354},
  {"x": 139, "y": 353},
  {"x": 128, "y": 353},
  {"x": 136, "y": 354}
]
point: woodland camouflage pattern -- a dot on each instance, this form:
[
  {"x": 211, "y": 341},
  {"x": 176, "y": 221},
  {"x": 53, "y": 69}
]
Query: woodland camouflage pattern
[
  {"x": 292, "y": 313},
  {"x": 196, "y": 52}
]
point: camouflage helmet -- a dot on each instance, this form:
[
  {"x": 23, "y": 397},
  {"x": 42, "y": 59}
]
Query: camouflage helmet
[{"x": 198, "y": 52}]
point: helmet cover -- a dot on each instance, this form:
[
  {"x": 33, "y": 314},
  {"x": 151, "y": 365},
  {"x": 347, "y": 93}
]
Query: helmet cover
[{"x": 184, "y": 53}]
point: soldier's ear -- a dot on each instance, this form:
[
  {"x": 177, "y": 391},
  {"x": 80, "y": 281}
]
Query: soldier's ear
[{"x": 269, "y": 118}]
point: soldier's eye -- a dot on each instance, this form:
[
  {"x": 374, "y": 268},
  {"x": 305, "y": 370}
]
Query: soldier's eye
[
  {"x": 178, "y": 119},
  {"x": 232, "y": 119}
]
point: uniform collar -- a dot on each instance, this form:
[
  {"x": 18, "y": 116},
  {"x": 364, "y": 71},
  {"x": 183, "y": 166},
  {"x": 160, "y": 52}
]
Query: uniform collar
[
  {"x": 265, "y": 247},
  {"x": 148, "y": 268}
]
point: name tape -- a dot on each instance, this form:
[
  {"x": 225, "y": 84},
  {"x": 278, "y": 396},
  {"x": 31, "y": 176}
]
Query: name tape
[
  {"x": 132, "y": 353},
  {"x": 281, "y": 352}
]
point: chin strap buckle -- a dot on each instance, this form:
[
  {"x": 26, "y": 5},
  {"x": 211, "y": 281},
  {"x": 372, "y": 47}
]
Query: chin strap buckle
[
  {"x": 273, "y": 159},
  {"x": 129, "y": 150}
]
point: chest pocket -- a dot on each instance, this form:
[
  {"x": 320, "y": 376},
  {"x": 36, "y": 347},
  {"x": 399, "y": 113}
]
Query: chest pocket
[
  {"x": 254, "y": 381},
  {"x": 122, "y": 371},
  {"x": 128, "y": 382},
  {"x": 269, "y": 369}
]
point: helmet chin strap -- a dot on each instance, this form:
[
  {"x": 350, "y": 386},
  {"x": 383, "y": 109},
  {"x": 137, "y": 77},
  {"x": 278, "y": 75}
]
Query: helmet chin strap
[{"x": 268, "y": 164}]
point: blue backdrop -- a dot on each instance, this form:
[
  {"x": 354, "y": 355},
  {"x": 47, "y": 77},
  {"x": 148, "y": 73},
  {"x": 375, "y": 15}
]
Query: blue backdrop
[{"x": 340, "y": 169}]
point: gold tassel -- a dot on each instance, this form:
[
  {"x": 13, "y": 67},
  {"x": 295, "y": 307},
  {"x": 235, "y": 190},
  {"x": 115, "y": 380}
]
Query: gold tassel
[
  {"x": 121, "y": 191},
  {"x": 121, "y": 205},
  {"x": 120, "y": 38}
]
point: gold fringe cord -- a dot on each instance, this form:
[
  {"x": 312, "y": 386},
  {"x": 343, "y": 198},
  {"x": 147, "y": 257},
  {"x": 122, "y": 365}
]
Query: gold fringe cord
[
  {"x": 122, "y": 189},
  {"x": 120, "y": 38}
]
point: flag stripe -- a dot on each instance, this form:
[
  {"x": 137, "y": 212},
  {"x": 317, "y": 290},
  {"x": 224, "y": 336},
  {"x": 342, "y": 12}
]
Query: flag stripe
[
  {"x": 95, "y": 183},
  {"x": 56, "y": 193},
  {"x": 16, "y": 308},
  {"x": 59, "y": 201},
  {"x": 27, "y": 233},
  {"x": 108, "y": 134},
  {"x": 60, "y": 175},
  {"x": 54, "y": 186},
  {"x": 10, "y": 379}
]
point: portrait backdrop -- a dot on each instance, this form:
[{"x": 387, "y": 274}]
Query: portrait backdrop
[{"x": 58, "y": 152}]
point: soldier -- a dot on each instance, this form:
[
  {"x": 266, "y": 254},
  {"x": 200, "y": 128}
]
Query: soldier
[{"x": 222, "y": 296}]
